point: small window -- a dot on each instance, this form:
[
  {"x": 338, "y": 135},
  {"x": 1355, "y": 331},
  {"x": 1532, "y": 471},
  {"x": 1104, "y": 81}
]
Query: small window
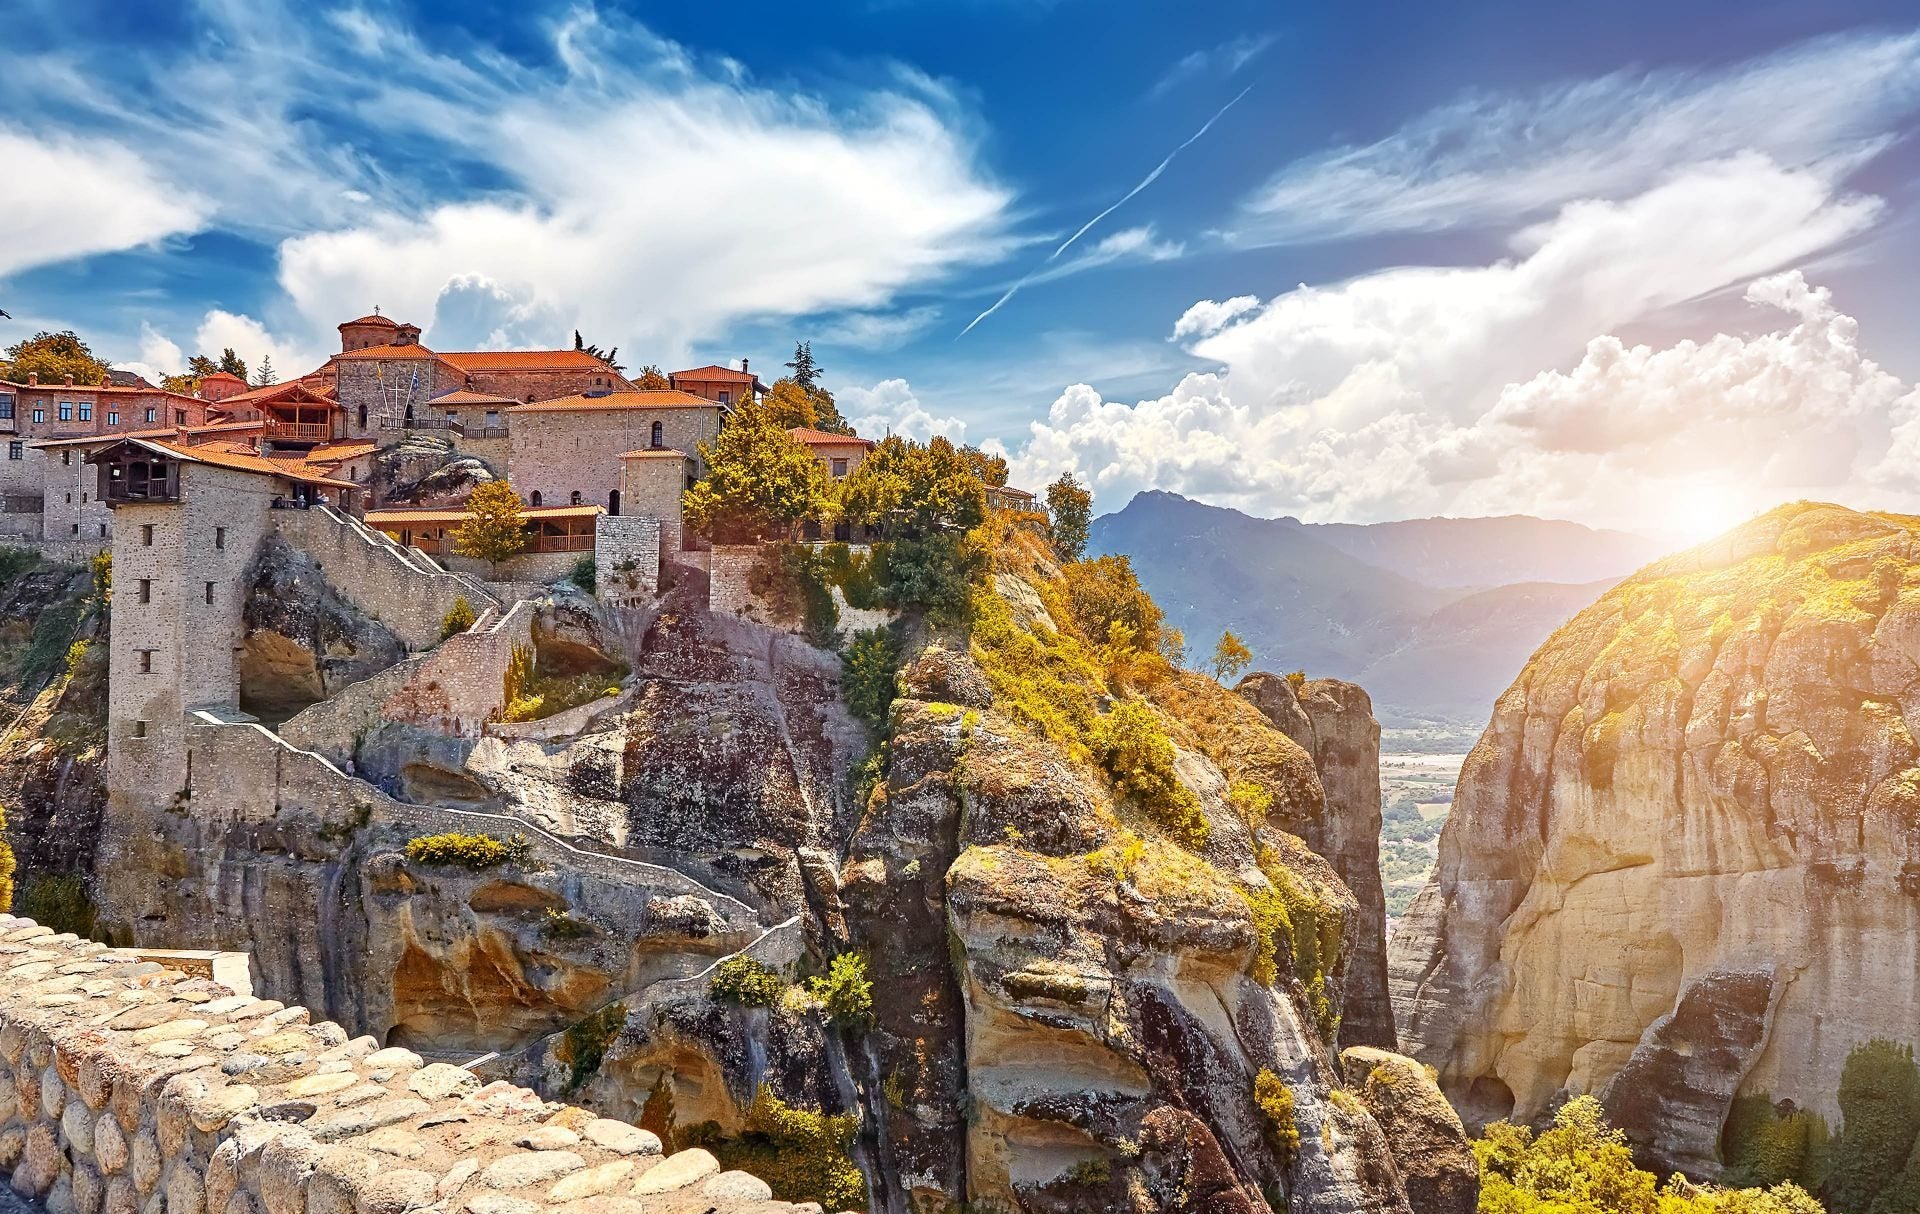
[
  {"x": 76, "y": 529},
  {"x": 16, "y": 450},
  {"x": 534, "y": 499},
  {"x": 146, "y": 590},
  {"x": 6, "y": 406},
  {"x": 723, "y": 396},
  {"x": 576, "y": 497},
  {"x": 839, "y": 467},
  {"x": 83, "y": 498},
  {"x": 659, "y": 435},
  {"x": 66, "y": 410},
  {"x": 146, "y": 661},
  {"x": 86, "y": 410},
  {"x": 69, "y": 499},
  {"x": 113, "y": 417},
  {"x": 66, "y": 457},
  {"x": 39, "y": 415},
  {"x": 219, "y": 536},
  {"x": 146, "y": 534},
  {"x": 103, "y": 531},
  {"x": 179, "y": 417},
  {"x": 209, "y": 592},
  {"x": 139, "y": 729},
  {"x": 150, "y": 414}
]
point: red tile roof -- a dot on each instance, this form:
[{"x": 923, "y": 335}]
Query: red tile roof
[
  {"x": 616, "y": 401},
  {"x": 532, "y": 514},
  {"x": 525, "y": 360},
  {"x": 220, "y": 456},
  {"x": 375, "y": 319},
  {"x": 193, "y": 433},
  {"x": 223, "y": 377},
  {"x": 714, "y": 373},
  {"x": 827, "y": 438},
  {"x": 411, "y": 350},
  {"x": 466, "y": 396},
  {"x": 653, "y": 453}
]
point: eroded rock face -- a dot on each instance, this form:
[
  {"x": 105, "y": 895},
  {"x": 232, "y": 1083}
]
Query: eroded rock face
[
  {"x": 1428, "y": 1142},
  {"x": 304, "y": 642},
  {"x": 1333, "y": 721},
  {"x": 420, "y": 470},
  {"x": 1708, "y": 773}
]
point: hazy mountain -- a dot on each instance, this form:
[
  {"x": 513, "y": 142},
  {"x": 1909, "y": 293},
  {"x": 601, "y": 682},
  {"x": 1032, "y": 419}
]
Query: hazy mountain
[{"x": 1389, "y": 605}]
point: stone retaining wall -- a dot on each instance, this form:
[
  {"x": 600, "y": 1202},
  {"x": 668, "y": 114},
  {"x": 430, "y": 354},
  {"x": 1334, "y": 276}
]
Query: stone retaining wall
[
  {"x": 127, "y": 1086},
  {"x": 378, "y": 576},
  {"x": 461, "y": 685}
]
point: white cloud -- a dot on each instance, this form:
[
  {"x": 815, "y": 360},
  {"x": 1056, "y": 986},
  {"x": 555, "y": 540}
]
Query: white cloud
[
  {"x": 1210, "y": 316},
  {"x": 1414, "y": 391},
  {"x": 876, "y": 330},
  {"x": 64, "y": 197},
  {"x": 247, "y": 337},
  {"x": 1218, "y": 61},
  {"x": 1492, "y": 158},
  {"x": 890, "y": 407},
  {"x": 651, "y": 205}
]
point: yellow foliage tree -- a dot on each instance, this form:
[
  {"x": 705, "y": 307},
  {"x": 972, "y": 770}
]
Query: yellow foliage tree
[{"x": 494, "y": 528}]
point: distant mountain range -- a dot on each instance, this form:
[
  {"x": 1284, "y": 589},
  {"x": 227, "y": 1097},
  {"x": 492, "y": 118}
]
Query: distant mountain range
[{"x": 1434, "y": 617}]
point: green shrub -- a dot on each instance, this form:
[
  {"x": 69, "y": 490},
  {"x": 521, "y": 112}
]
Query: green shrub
[
  {"x": 474, "y": 852},
  {"x": 1880, "y": 1103},
  {"x": 801, "y": 1153},
  {"x": 1761, "y": 1146},
  {"x": 60, "y": 901},
  {"x": 870, "y": 675},
  {"x": 100, "y": 571},
  {"x": 857, "y": 574},
  {"x": 587, "y": 1043},
  {"x": 746, "y": 982},
  {"x": 791, "y": 580},
  {"x": 1275, "y": 1101},
  {"x": 561, "y": 926},
  {"x": 76, "y": 655},
  {"x": 845, "y": 991},
  {"x": 16, "y": 561},
  {"x": 1138, "y": 757},
  {"x": 458, "y": 619},
  {"x": 586, "y": 574},
  {"x": 934, "y": 576}
]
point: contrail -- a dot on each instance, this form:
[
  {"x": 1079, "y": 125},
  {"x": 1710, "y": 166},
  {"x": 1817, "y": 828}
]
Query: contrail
[{"x": 1146, "y": 181}]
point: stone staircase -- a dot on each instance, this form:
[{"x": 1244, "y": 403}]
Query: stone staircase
[{"x": 402, "y": 587}]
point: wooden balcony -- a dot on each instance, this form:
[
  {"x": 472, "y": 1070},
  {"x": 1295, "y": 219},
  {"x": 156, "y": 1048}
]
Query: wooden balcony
[{"x": 298, "y": 432}]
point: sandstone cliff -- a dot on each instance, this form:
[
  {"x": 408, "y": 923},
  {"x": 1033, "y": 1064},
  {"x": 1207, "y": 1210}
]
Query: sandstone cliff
[{"x": 1684, "y": 858}]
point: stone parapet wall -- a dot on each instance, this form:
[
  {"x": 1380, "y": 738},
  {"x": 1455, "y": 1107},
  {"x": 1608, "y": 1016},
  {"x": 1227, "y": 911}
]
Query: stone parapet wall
[
  {"x": 334, "y": 727},
  {"x": 539, "y": 568},
  {"x": 398, "y": 587},
  {"x": 126, "y": 1085},
  {"x": 460, "y": 686},
  {"x": 626, "y": 558},
  {"x": 728, "y": 593}
]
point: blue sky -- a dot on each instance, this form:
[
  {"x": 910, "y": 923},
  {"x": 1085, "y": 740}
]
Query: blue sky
[{"x": 1636, "y": 264}]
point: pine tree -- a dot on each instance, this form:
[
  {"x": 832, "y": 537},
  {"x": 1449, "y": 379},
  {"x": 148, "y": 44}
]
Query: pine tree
[
  {"x": 233, "y": 364},
  {"x": 806, "y": 372},
  {"x": 264, "y": 374}
]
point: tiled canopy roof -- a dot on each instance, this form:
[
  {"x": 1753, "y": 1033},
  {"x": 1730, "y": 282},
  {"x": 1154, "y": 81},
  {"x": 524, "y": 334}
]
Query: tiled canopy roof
[
  {"x": 616, "y": 401},
  {"x": 827, "y": 438},
  {"x": 532, "y": 514},
  {"x": 525, "y": 360}
]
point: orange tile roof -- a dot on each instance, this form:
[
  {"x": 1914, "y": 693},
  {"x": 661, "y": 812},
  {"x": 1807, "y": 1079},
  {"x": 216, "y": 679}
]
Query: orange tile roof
[
  {"x": 374, "y": 319},
  {"x": 84, "y": 439},
  {"x": 667, "y": 398},
  {"x": 653, "y": 453},
  {"x": 223, "y": 376},
  {"x": 270, "y": 392},
  {"x": 467, "y": 396},
  {"x": 413, "y": 350},
  {"x": 827, "y": 438},
  {"x": 714, "y": 373},
  {"x": 103, "y": 389},
  {"x": 220, "y": 455},
  {"x": 525, "y": 360},
  {"x": 381, "y": 518}
]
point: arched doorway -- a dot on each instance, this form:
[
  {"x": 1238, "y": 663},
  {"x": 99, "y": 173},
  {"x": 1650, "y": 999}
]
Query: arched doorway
[
  {"x": 613, "y": 501},
  {"x": 534, "y": 500}
]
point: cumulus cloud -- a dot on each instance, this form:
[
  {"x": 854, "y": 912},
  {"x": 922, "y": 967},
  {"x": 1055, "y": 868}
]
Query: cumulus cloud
[
  {"x": 65, "y": 197},
  {"x": 1418, "y": 390},
  {"x": 220, "y": 330},
  {"x": 890, "y": 407},
  {"x": 1497, "y": 157},
  {"x": 632, "y": 203},
  {"x": 1210, "y": 316}
]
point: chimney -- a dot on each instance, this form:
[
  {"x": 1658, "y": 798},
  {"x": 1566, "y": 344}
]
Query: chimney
[
  {"x": 743, "y": 367},
  {"x": 69, "y": 381},
  {"x": 33, "y": 379}
]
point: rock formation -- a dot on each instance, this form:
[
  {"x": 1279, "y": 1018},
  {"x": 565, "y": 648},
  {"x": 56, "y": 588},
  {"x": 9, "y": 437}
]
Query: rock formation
[
  {"x": 304, "y": 642},
  {"x": 421, "y": 470},
  {"x": 1683, "y": 859},
  {"x": 1333, "y": 722}
]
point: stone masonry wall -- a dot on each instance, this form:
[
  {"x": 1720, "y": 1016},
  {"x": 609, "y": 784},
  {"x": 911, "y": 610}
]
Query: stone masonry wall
[
  {"x": 74, "y": 513},
  {"x": 460, "y": 686},
  {"x": 127, "y": 1086},
  {"x": 558, "y": 454},
  {"x": 617, "y": 542},
  {"x": 370, "y": 574},
  {"x": 653, "y": 485},
  {"x": 728, "y": 592}
]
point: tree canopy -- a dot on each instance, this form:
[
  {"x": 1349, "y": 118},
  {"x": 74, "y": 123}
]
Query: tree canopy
[
  {"x": 790, "y": 405},
  {"x": 1072, "y": 509},
  {"x": 1230, "y": 656},
  {"x": 605, "y": 356},
  {"x": 806, "y": 372},
  {"x": 990, "y": 468},
  {"x": 264, "y": 375},
  {"x": 53, "y": 357},
  {"x": 911, "y": 490},
  {"x": 494, "y": 528},
  {"x": 652, "y": 379},
  {"x": 760, "y": 480}
]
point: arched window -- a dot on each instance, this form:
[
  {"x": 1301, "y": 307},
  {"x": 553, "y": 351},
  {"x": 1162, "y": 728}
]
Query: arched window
[
  {"x": 576, "y": 497},
  {"x": 535, "y": 499},
  {"x": 613, "y": 501},
  {"x": 363, "y": 417},
  {"x": 659, "y": 435}
]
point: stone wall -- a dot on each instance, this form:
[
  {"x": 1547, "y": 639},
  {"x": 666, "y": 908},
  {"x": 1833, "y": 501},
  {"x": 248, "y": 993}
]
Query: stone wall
[
  {"x": 74, "y": 513},
  {"x": 398, "y": 587},
  {"x": 557, "y": 454},
  {"x": 620, "y": 540},
  {"x": 729, "y": 567},
  {"x": 653, "y": 485},
  {"x": 536, "y": 568},
  {"x": 460, "y": 686},
  {"x": 126, "y": 1085}
]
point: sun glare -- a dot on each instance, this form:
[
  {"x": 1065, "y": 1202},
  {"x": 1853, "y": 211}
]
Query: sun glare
[{"x": 1701, "y": 511}]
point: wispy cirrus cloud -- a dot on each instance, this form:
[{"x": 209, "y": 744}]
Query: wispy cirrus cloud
[
  {"x": 876, "y": 330},
  {"x": 1496, "y": 158},
  {"x": 1218, "y": 61}
]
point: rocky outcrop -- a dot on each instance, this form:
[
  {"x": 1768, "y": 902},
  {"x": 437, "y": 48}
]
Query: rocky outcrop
[
  {"x": 1687, "y": 842},
  {"x": 304, "y": 642},
  {"x": 420, "y": 470},
  {"x": 1333, "y": 721},
  {"x": 1428, "y": 1142}
]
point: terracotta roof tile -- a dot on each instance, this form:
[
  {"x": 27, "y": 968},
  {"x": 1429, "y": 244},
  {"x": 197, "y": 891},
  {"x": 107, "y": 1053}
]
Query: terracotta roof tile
[
  {"x": 374, "y": 319},
  {"x": 827, "y": 438},
  {"x": 714, "y": 373},
  {"x": 619, "y": 401},
  {"x": 654, "y": 453},
  {"x": 220, "y": 455},
  {"x": 525, "y": 360},
  {"x": 382, "y": 518},
  {"x": 466, "y": 396},
  {"x": 411, "y": 351}
]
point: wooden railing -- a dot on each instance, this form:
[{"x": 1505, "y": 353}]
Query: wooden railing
[{"x": 299, "y": 432}]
